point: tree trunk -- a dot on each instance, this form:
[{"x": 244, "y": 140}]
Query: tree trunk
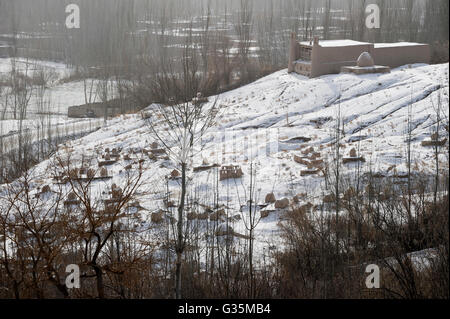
[
  {"x": 99, "y": 277},
  {"x": 180, "y": 244}
]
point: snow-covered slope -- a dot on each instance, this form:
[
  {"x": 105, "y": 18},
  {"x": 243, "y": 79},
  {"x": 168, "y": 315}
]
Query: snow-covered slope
[{"x": 277, "y": 118}]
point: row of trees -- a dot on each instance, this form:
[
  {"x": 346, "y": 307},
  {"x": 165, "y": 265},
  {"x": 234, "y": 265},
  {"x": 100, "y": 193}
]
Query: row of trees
[{"x": 29, "y": 131}]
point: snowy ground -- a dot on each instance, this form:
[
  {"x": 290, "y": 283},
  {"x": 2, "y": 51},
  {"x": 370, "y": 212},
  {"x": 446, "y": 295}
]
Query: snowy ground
[
  {"x": 59, "y": 97},
  {"x": 266, "y": 123}
]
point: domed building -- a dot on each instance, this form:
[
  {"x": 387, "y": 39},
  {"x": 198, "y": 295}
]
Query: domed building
[
  {"x": 365, "y": 60},
  {"x": 364, "y": 65},
  {"x": 315, "y": 58}
]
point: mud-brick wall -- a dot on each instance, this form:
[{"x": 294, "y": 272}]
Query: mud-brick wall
[
  {"x": 329, "y": 60},
  {"x": 401, "y": 55}
]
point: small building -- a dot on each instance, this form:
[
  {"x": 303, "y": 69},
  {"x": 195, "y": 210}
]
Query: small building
[
  {"x": 314, "y": 58},
  {"x": 98, "y": 110}
]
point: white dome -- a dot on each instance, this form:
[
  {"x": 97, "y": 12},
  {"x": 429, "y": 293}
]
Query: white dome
[{"x": 365, "y": 60}]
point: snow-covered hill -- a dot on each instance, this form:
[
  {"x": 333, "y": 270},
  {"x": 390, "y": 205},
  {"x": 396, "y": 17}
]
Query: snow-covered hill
[{"x": 281, "y": 123}]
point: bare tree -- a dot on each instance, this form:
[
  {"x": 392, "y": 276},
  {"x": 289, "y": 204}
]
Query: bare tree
[
  {"x": 180, "y": 128},
  {"x": 251, "y": 220},
  {"x": 95, "y": 223}
]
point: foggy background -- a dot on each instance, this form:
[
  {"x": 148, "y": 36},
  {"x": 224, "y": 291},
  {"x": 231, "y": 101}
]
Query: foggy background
[{"x": 120, "y": 32}]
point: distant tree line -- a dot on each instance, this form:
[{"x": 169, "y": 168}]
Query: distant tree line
[{"x": 225, "y": 35}]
